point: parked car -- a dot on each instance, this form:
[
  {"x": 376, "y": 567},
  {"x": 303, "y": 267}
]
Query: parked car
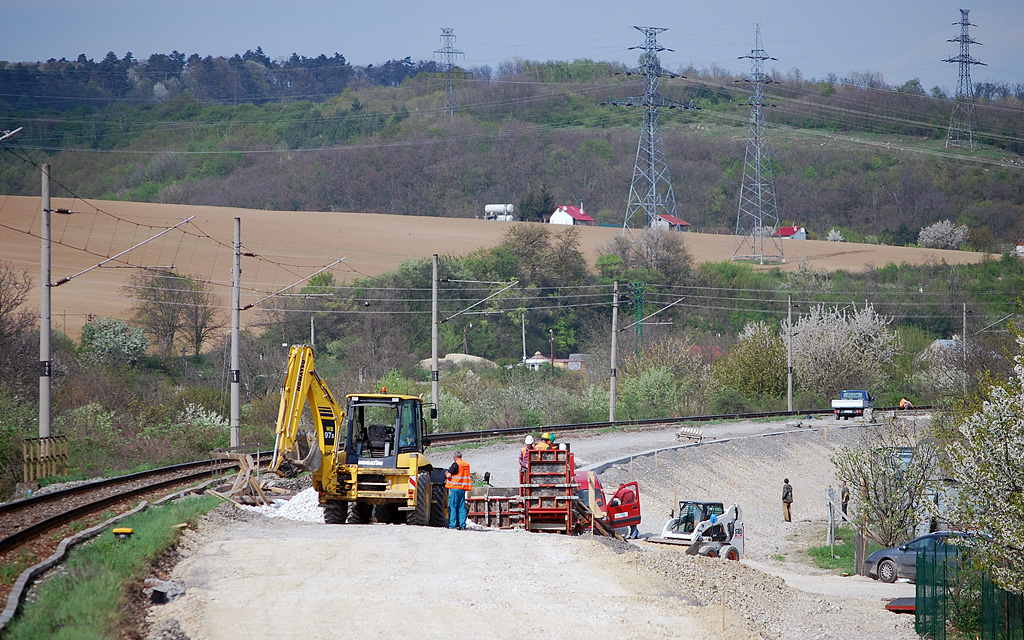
[{"x": 901, "y": 562}]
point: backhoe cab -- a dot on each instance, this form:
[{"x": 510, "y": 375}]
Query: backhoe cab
[{"x": 366, "y": 462}]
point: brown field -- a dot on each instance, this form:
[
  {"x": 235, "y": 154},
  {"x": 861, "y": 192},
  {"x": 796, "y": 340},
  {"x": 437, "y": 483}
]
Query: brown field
[{"x": 291, "y": 245}]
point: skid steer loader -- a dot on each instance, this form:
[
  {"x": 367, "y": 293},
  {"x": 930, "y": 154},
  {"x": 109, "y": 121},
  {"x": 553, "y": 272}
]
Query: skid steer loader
[
  {"x": 706, "y": 529},
  {"x": 368, "y": 461}
]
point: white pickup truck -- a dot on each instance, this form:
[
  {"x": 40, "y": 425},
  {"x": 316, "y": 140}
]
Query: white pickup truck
[{"x": 852, "y": 403}]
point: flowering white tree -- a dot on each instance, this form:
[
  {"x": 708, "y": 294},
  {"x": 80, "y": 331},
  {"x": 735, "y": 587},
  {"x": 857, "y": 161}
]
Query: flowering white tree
[
  {"x": 834, "y": 235},
  {"x": 836, "y": 349},
  {"x": 943, "y": 235},
  {"x": 988, "y": 462}
]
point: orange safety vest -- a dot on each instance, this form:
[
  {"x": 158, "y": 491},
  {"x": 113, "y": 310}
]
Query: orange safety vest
[
  {"x": 462, "y": 479},
  {"x": 542, "y": 446}
]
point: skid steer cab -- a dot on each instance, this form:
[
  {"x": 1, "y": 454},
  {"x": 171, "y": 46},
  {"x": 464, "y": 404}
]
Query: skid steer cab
[
  {"x": 622, "y": 510},
  {"x": 706, "y": 529}
]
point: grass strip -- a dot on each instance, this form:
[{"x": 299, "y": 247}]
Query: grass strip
[
  {"x": 843, "y": 558},
  {"x": 83, "y": 599}
]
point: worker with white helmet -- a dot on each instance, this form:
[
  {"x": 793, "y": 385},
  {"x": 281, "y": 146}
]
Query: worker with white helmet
[{"x": 524, "y": 455}]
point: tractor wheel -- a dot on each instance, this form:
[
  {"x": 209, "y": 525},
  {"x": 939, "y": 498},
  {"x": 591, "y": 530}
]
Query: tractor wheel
[
  {"x": 730, "y": 552},
  {"x": 421, "y": 516},
  {"x": 438, "y": 506},
  {"x": 709, "y": 552},
  {"x": 359, "y": 513},
  {"x": 335, "y": 511},
  {"x": 887, "y": 570}
]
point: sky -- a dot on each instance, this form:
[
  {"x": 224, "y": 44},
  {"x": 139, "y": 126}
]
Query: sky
[{"x": 902, "y": 39}]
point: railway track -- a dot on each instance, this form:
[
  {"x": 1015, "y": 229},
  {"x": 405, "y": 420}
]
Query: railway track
[{"x": 23, "y": 520}]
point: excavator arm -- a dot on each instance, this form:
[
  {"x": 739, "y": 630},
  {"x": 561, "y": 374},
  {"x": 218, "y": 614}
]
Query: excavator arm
[{"x": 302, "y": 385}]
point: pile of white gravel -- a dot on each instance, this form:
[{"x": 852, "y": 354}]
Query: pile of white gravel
[{"x": 304, "y": 507}]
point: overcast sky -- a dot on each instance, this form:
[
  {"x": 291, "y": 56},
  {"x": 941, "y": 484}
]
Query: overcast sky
[{"x": 902, "y": 39}]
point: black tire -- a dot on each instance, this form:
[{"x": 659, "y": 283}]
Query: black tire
[
  {"x": 709, "y": 552},
  {"x": 335, "y": 511},
  {"x": 359, "y": 513},
  {"x": 421, "y": 516},
  {"x": 730, "y": 552},
  {"x": 887, "y": 570},
  {"x": 438, "y": 506}
]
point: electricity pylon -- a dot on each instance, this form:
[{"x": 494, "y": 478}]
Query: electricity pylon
[
  {"x": 448, "y": 54},
  {"x": 650, "y": 193},
  {"x": 757, "y": 221},
  {"x": 961, "y": 123}
]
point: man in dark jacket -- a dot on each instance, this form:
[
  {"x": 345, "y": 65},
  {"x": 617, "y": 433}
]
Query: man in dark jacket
[{"x": 787, "y": 500}]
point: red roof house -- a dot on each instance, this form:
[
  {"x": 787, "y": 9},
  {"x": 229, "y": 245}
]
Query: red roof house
[{"x": 569, "y": 215}]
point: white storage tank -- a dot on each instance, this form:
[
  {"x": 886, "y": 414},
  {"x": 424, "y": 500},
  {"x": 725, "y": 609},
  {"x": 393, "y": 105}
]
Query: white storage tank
[{"x": 499, "y": 212}]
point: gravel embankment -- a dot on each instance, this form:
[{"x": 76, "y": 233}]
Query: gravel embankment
[{"x": 746, "y": 470}]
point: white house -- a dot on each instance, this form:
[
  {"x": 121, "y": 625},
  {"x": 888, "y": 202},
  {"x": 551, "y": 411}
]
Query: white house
[
  {"x": 793, "y": 233},
  {"x": 671, "y": 222},
  {"x": 569, "y": 215}
]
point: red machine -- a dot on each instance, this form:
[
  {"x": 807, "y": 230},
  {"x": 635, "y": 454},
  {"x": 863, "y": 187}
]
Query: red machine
[{"x": 623, "y": 510}]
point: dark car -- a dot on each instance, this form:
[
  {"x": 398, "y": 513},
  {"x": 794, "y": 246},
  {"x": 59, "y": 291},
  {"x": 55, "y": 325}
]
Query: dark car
[{"x": 901, "y": 562}]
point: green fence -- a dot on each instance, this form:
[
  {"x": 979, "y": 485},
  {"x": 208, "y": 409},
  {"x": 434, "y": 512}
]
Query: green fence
[
  {"x": 955, "y": 599},
  {"x": 1002, "y": 613}
]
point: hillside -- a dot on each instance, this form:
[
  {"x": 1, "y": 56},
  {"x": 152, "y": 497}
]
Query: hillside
[
  {"x": 866, "y": 158},
  {"x": 292, "y": 245}
]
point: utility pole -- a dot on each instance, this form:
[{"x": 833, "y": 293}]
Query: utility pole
[
  {"x": 465, "y": 349},
  {"x": 789, "y": 354},
  {"x": 757, "y": 218},
  {"x": 236, "y": 289},
  {"x": 961, "y": 123},
  {"x": 448, "y": 53},
  {"x": 615, "y": 352},
  {"x": 45, "y": 364},
  {"x": 963, "y": 347},
  {"x": 638, "y": 316},
  {"x": 552, "y": 331},
  {"x": 524, "y": 335},
  {"x": 434, "y": 391},
  {"x": 650, "y": 192}
]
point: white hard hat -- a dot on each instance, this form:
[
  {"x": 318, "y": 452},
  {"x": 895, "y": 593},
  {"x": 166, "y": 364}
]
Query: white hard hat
[{"x": 529, "y": 439}]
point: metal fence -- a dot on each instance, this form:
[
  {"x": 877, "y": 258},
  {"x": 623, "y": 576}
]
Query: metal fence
[{"x": 956, "y": 599}]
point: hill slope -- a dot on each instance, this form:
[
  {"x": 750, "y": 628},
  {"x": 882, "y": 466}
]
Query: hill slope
[{"x": 292, "y": 245}]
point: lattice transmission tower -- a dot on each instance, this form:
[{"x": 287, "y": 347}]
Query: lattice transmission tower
[
  {"x": 757, "y": 221},
  {"x": 650, "y": 193},
  {"x": 448, "y": 54},
  {"x": 963, "y": 120}
]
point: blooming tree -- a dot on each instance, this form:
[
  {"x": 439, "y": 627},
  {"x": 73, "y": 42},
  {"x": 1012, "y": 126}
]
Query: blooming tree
[
  {"x": 836, "y": 349},
  {"x": 834, "y": 235},
  {"x": 756, "y": 364},
  {"x": 988, "y": 462},
  {"x": 113, "y": 340},
  {"x": 943, "y": 235}
]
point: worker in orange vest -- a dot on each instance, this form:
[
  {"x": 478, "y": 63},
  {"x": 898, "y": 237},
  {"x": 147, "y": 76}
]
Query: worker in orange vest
[
  {"x": 459, "y": 482},
  {"x": 905, "y": 404},
  {"x": 524, "y": 457},
  {"x": 545, "y": 443}
]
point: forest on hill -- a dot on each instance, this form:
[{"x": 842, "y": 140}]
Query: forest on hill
[{"x": 854, "y": 153}]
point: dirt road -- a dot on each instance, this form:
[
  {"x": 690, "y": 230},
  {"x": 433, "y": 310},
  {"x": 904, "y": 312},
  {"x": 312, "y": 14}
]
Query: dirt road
[
  {"x": 249, "y": 575},
  {"x": 275, "y": 578}
]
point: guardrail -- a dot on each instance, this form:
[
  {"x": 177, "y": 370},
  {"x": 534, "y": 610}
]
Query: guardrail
[{"x": 464, "y": 436}]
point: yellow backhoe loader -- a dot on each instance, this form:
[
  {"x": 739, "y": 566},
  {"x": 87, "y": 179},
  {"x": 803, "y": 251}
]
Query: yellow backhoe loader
[{"x": 367, "y": 462}]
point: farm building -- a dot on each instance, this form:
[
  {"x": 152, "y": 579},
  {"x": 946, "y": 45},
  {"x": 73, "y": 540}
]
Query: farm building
[
  {"x": 667, "y": 221},
  {"x": 569, "y": 215},
  {"x": 793, "y": 233}
]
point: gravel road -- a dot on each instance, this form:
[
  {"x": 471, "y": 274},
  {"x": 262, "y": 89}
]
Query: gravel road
[{"x": 246, "y": 574}]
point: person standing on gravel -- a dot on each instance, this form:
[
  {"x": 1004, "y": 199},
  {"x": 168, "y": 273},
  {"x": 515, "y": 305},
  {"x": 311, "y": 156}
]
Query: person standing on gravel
[
  {"x": 787, "y": 500},
  {"x": 459, "y": 482}
]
